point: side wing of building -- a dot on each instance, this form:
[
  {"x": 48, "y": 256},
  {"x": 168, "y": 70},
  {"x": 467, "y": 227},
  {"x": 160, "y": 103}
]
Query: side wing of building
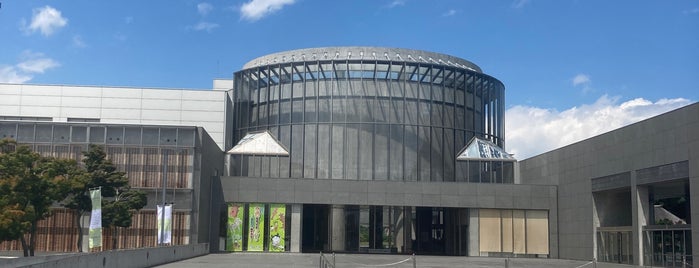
[
  {"x": 629, "y": 195},
  {"x": 116, "y": 105}
]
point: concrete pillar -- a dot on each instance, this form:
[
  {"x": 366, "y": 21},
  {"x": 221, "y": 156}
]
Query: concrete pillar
[
  {"x": 338, "y": 228},
  {"x": 398, "y": 218},
  {"x": 643, "y": 220},
  {"x": 227, "y": 166},
  {"x": 595, "y": 225},
  {"x": 636, "y": 220},
  {"x": 694, "y": 196},
  {"x": 408, "y": 227},
  {"x": 296, "y": 227},
  {"x": 473, "y": 236}
]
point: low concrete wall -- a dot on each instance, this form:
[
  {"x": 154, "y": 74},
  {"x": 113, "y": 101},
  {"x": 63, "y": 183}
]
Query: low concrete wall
[{"x": 143, "y": 257}]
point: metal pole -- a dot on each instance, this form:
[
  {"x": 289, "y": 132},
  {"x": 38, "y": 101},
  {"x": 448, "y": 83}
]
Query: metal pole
[
  {"x": 333, "y": 259},
  {"x": 414, "y": 261},
  {"x": 162, "y": 209}
]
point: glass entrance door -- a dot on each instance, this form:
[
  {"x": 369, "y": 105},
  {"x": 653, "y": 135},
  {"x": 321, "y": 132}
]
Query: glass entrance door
[
  {"x": 430, "y": 230},
  {"x": 614, "y": 245},
  {"x": 668, "y": 247}
]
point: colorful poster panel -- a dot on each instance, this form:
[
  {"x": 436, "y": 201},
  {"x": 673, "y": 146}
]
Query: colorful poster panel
[
  {"x": 277, "y": 227},
  {"x": 256, "y": 230},
  {"x": 234, "y": 237}
]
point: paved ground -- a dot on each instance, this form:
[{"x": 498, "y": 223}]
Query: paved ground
[{"x": 298, "y": 260}]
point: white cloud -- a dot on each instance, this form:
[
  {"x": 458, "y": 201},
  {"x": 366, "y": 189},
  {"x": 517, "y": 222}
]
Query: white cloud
[
  {"x": 46, "y": 20},
  {"x": 204, "y": 26},
  {"x": 204, "y": 8},
  {"x": 396, "y": 3},
  {"x": 519, "y": 3},
  {"x": 37, "y": 65},
  {"x": 449, "y": 13},
  {"x": 257, "y": 9},
  {"x": 533, "y": 130},
  {"x": 78, "y": 41},
  {"x": 581, "y": 79},
  {"x": 120, "y": 37},
  {"x": 30, "y": 64},
  {"x": 10, "y": 74},
  {"x": 691, "y": 11}
]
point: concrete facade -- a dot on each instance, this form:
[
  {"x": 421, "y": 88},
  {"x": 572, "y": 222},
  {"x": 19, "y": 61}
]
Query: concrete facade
[
  {"x": 118, "y": 105},
  {"x": 612, "y": 161},
  {"x": 194, "y": 161},
  {"x": 390, "y": 193}
]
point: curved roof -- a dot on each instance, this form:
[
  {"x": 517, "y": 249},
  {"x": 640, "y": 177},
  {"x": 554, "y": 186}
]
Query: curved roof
[{"x": 367, "y": 53}]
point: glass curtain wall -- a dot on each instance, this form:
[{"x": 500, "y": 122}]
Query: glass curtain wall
[{"x": 367, "y": 120}]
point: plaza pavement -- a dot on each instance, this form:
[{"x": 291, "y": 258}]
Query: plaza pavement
[{"x": 303, "y": 260}]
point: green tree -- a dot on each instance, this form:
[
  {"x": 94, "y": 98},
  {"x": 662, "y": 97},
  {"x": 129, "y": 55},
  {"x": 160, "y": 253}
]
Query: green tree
[
  {"x": 29, "y": 185},
  {"x": 117, "y": 213},
  {"x": 119, "y": 200},
  {"x": 12, "y": 222}
]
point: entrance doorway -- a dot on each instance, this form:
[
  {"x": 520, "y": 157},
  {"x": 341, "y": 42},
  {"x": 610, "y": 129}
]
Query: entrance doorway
[
  {"x": 429, "y": 225},
  {"x": 315, "y": 231},
  {"x": 441, "y": 231}
]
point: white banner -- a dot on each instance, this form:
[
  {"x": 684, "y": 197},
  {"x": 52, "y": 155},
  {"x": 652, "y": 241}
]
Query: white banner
[
  {"x": 95, "y": 233},
  {"x": 165, "y": 236}
]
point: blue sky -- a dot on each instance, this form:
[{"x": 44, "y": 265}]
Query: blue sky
[{"x": 570, "y": 66}]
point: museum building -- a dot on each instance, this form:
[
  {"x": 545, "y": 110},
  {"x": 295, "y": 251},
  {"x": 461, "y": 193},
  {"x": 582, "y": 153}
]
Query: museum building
[{"x": 368, "y": 150}]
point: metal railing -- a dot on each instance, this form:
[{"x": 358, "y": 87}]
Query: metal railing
[
  {"x": 325, "y": 263},
  {"x": 592, "y": 263},
  {"x": 330, "y": 263},
  {"x": 668, "y": 260}
]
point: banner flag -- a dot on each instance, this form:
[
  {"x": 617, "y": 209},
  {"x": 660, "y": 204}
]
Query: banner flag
[
  {"x": 234, "y": 237},
  {"x": 256, "y": 230},
  {"x": 95, "y": 231},
  {"x": 164, "y": 235},
  {"x": 158, "y": 223},
  {"x": 277, "y": 227},
  {"x": 168, "y": 224}
]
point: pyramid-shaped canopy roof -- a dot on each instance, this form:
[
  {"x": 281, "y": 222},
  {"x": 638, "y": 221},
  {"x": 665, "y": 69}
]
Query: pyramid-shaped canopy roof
[
  {"x": 259, "y": 143},
  {"x": 479, "y": 149}
]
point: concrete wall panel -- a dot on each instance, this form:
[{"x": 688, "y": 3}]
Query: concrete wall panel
[
  {"x": 118, "y": 105},
  {"x": 131, "y": 103},
  {"x": 162, "y": 94},
  {"x": 9, "y": 99},
  {"x": 79, "y": 91}
]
